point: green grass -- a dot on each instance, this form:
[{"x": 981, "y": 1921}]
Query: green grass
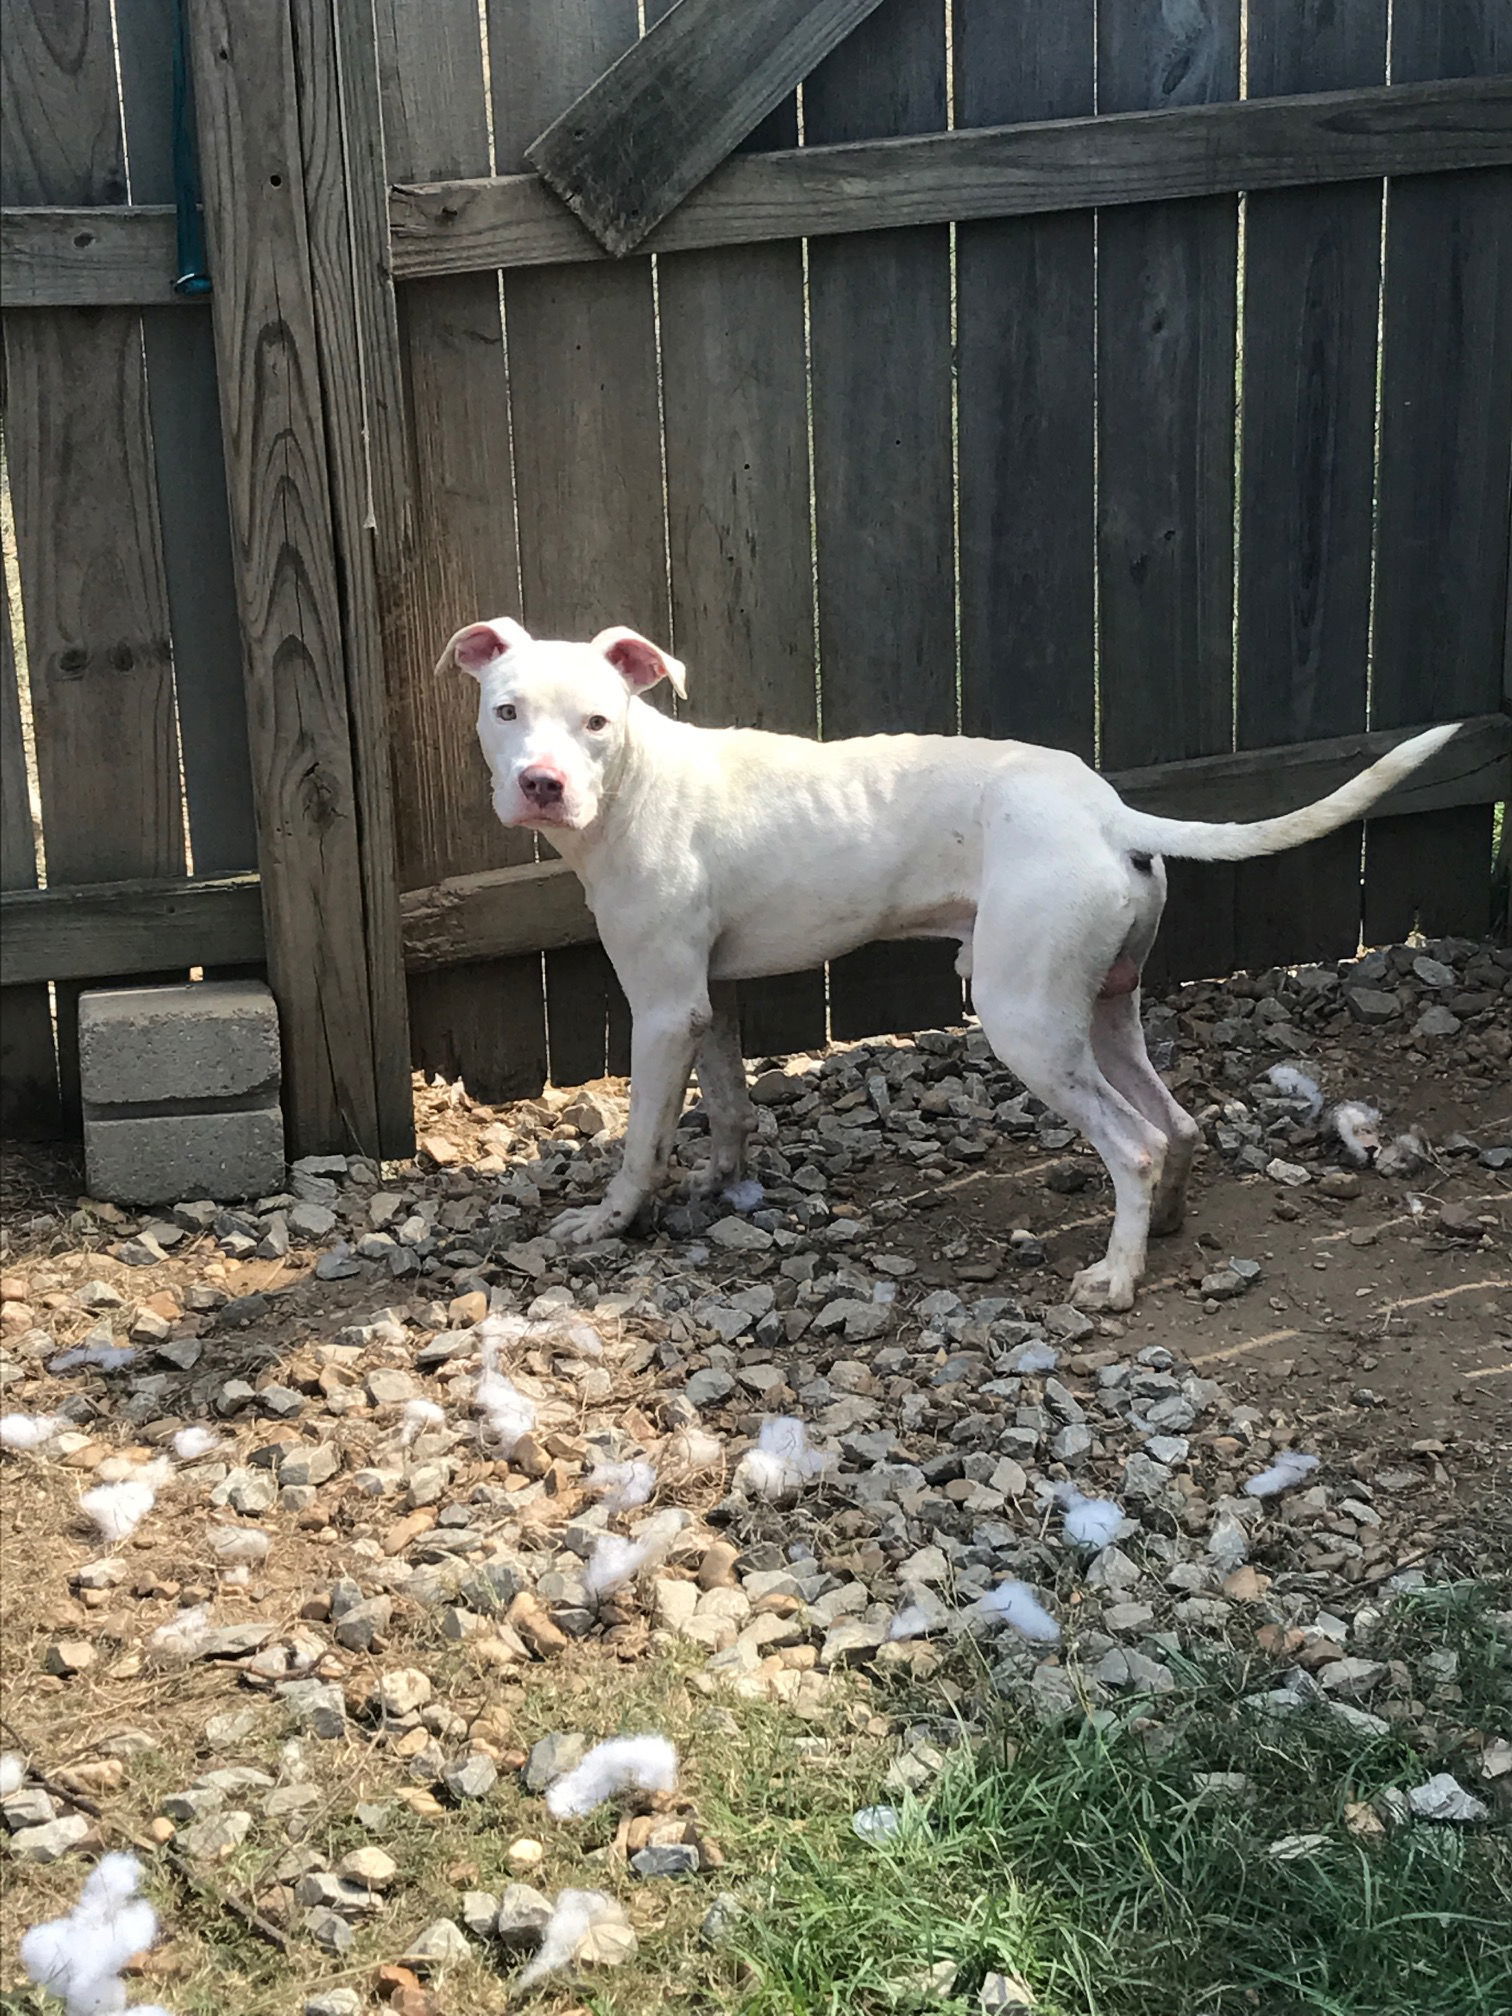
[{"x": 1090, "y": 1867}]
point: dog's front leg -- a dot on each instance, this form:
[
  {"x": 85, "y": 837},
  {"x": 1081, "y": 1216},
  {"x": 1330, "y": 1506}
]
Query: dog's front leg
[{"x": 664, "y": 1037}]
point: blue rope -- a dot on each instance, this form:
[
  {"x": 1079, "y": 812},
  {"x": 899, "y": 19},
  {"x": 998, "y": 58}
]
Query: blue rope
[{"x": 193, "y": 273}]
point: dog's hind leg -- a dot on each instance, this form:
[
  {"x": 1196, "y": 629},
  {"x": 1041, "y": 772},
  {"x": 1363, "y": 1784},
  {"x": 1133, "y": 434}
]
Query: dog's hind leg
[
  {"x": 1056, "y": 916},
  {"x": 722, "y": 1081},
  {"x": 1118, "y": 1039}
]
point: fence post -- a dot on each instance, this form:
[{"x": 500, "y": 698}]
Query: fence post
[{"x": 292, "y": 413}]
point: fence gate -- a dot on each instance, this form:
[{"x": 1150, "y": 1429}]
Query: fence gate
[{"x": 1135, "y": 379}]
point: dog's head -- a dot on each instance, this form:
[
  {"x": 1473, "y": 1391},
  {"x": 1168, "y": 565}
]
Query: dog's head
[{"x": 552, "y": 717}]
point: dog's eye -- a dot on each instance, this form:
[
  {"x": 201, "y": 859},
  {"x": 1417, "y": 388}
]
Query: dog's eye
[
  {"x": 504, "y": 712},
  {"x": 595, "y": 722}
]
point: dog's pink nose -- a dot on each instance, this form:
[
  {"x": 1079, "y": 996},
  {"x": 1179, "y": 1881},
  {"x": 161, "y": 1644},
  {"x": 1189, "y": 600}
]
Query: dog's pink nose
[{"x": 543, "y": 786}]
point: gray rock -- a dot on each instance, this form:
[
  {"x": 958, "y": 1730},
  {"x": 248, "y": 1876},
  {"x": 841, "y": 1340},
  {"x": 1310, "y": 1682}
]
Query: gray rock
[
  {"x": 216, "y": 1835},
  {"x": 479, "y": 1910},
  {"x": 329, "y": 1930},
  {"x": 246, "y": 1491},
  {"x": 310, "y": 1463},
  {"x": 51, "y": 1841},
  {"x": 360, "y": 1625},
  {"x": 441, "y": 1944},
  {"x": 1373, "y": 1004},
  {"x": 551, "y": 1757},
  {"x": 334, "y": 2002},
  {"x": 521, "y": 1916},
  {"x": 710, "y": 1386},
  {"x": 30, "y": 1807},
  {"x": 740, "y": 1235},
  {"x": 676, "y": 1858},
  {"x": 473, "y": 1778},
  {"x": 317, "y": 1706}
]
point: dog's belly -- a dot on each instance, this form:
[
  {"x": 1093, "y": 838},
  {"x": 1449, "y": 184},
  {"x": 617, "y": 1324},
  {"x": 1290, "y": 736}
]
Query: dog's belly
[{"x": 763, "y": 943}]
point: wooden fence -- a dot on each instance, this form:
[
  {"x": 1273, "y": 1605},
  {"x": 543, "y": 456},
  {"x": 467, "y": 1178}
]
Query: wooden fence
[{"x": 1096, "y": 376}]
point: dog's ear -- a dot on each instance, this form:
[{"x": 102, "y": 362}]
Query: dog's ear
[
  {"x": 476, "y": 647},
  {"x": 639, "y": 662}
]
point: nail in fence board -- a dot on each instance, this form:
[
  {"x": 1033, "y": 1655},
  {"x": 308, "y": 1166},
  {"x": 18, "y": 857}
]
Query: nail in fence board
[
  {"x": 677, "y": 102},
  {"x": 79, "y": 440},
  {"x": 190, "y": 479},
  {"x": 485, "y": 1022},
  {"x": 1446, "y": 437},
  {"x": 880, "y": 320},
  {"x": 735, "y": 407},
  {"x": 303, "y": 626},
  {"x": 1025, "y": 320},
  {"x": 1307, "y": 474},
  {"x": 1166, "y": 327},
  {"x": 587, "y": 430},
  {"x": 28, "y": 1065}
]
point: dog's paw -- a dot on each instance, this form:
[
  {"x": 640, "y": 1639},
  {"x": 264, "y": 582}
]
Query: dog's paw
[
  {"x": 587, "y": 1223},
  {"x": 1098, "y": 1287}
]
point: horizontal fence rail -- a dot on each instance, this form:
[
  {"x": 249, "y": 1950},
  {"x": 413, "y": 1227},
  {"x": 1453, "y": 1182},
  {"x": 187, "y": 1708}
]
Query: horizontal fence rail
[
  {"x": 1001, "y": 171},
  {"x": 125, "y": 256}
]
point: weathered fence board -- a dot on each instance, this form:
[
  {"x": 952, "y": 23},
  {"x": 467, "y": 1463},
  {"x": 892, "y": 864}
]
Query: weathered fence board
[
  {"x": 883, "y": 482},
  {"x": 316, "y": 776},
  {"x": 99, "y": 668},
  {"x": 735, "y": 414},
  {"x": 190, "y": 477},
  {"x": 677, "y": 102},
  {"x": 1028, "y": 587},
  {"x": 485, "y": 1023},
  {"x": 1307, "y": 484},
  {"x": 1166, "y": 284},
  {"x": 587, "y": 429},
  {"x": 28, "y": 1064},
  {"x": 1446, "y": 439}
]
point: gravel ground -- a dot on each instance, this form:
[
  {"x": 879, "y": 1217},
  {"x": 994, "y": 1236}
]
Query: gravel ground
[{"x": 350, "y": 1591}]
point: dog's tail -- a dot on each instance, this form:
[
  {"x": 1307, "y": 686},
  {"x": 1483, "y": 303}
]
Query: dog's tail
[{"x": 1196, "y": 840}]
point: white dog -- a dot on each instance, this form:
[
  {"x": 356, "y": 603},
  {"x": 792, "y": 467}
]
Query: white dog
[{"x": 715, "y": 855}]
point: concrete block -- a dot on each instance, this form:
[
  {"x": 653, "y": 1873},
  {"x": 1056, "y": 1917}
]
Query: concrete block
[
  {"x": 180, "y": 1090},
  {"x": 206, "y": 1039}
]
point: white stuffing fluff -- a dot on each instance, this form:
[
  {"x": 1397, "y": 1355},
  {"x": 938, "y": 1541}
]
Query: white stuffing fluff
[
  {"x": 118, "y": 1509},
  {"x": 623, "y": 1486},
  {"x": 1358, "y": 1127},
  {"x": 1294, "y": 1084},
  {"x": 1034, "y": 1358},
  {"x": 1017, "y": 1604},
  {"x": 614, "y": 1561},
  {"x": 418, "y": 1416},
  {"x": 745, "y": 1196},
  {"x": 508, "y": 1414},
  {"x": 31, "y": 1431},
  {"x": 912, "y": 1621},
  {"x": 240, "y": 1544},
  {"x": 695, "y": 1449},
  {"x": 782, "y": 1462},
  {"x": 192, "y": 1445},
  {"x": 109, "y": 1358},
  {"x": 1405, "y": 1155},
  {"x": 80, "y": 1958},
  {"x": 648, "y": 1762},
  {"x": 1092, "y": 1523},
  {"x": 1289, "y": 1468},
  {"x": 573, "y": 1917},
  {"x": 182, "y": 1636},
  {"x": 12, "y": 1773}
]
